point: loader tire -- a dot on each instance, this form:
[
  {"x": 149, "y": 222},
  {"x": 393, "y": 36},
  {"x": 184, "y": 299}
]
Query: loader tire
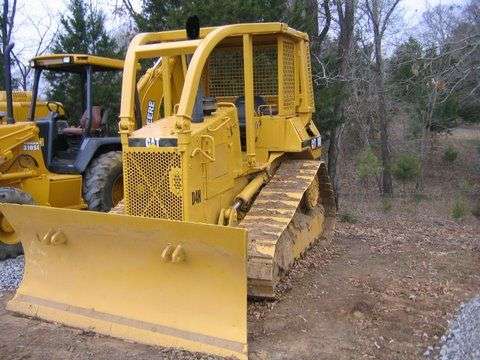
[
  {"x": 8, "y": 247},
  {"x": 103, "y": 182}
]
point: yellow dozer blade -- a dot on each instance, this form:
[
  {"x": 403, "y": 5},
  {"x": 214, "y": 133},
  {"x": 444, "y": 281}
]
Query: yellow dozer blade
[{"x": 154, "y": 281}]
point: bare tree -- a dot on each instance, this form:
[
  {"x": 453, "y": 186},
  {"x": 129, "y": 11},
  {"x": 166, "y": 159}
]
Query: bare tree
[
  {"x": 448, "y": 71},
  {"x": 439, "y": 22},
  {"x": 130, "y": 9},
  {"x": 8, "y": 19},
  {"x": 379, "y": 13},
  {"x": 41, "y": 46},
  {"x": 346, "y": 22}
]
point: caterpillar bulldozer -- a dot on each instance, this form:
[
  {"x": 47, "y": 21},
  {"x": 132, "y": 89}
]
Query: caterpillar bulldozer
[{"x": 223, "y": 189}]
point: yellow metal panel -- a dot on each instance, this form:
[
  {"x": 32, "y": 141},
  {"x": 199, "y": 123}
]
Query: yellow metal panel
[
  {"x": 21, "y": 105},
  {"x": 281, "y": 134},
  {"x": 56, "y": 190},
  {"x": 153, "y": 281},
  {"x": 150, "y": 91},
  {"x": 66, "y": 191}
]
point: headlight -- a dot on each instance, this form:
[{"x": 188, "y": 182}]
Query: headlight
[
  {"x": 32, "y": 63},
  {"x": 67, "y": 60}
]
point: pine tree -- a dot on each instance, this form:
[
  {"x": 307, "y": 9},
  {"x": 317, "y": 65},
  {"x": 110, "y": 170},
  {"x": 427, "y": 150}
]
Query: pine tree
[
  {"x": 171, "y": 14},
  {"x": 83, "y": 31}
]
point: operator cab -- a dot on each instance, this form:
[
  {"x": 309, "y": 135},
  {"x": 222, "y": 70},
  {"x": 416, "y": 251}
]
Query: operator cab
[{"x": 67, "y": 131}]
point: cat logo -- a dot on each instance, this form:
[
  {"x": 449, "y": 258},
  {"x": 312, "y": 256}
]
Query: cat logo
[
  {"x": 152, "y": 141},
  {"x": 196, "y": 197}
]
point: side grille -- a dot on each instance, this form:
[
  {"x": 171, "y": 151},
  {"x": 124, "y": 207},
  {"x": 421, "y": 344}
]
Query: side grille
[{"x": 153, "y": 183}]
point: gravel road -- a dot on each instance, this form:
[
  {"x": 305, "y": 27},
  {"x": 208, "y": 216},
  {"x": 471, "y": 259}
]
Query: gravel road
[
  {"x": 462, "y": 340},
  {"x": 11, "y": 271}
]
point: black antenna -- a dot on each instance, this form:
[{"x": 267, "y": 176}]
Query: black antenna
[{"x": 193, "y": 27}]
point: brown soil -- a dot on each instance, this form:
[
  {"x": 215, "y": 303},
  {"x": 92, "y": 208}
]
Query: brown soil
[{"x": 383, "y": 290}]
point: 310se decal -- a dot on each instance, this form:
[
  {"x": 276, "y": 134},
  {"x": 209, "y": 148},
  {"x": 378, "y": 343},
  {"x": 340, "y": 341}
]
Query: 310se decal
[{"x": 31, "y": 146}]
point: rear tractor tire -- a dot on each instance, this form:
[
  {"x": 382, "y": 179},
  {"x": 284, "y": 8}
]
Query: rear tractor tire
[
  {"x": 10, "y": 247},
  {"x": 103, "y": 182}
]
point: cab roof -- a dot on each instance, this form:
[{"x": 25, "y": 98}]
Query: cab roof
[{"x": 76, "y": 62}]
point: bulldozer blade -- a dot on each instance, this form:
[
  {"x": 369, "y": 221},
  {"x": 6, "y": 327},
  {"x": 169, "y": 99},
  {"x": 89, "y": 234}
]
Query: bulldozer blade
[{"x": 153, "y": 281}]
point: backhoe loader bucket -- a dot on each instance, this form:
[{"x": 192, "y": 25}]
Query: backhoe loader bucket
[{"x": 160, "y": 282}]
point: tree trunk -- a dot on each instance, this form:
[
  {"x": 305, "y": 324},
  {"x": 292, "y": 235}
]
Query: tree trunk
[
  {"x": 7, "y": 48},
  {"x": 311, "y": 6},
  {"x": 387, "y": 185},
  {"x": 346, "y": 19},
  {"x": 427, "y": 123},
  {"x": 333, "y": 148}
]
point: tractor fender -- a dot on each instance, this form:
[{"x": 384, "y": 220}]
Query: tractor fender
[{"x": 92, "y": 147}]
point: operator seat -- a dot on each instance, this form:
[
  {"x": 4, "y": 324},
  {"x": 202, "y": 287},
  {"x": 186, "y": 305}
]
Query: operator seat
[
  {"x": 240, "y": 105},
  {"x": 97, "y": 115}
]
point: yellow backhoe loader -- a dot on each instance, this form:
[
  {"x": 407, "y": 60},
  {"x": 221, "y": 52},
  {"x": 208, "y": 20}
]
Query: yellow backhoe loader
[
  {"x": 224, "y": 189},
  {"x": 46, "y": 161}
]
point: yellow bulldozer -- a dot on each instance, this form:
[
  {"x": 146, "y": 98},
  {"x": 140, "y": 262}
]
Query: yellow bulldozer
[{"x": 223, "y": 189}]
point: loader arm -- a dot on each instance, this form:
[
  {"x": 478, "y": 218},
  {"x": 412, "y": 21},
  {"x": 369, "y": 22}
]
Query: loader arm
[
  {"x": 150, "y": 92},
  {"x": 14, "y": 135}
]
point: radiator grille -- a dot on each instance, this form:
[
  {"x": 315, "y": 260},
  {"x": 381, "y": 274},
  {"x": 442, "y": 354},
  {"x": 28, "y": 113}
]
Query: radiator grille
[
  {"x": 288, "y": 77},
  {"x": 309, "y": 76},
  {"x": 153, "y": 183}
]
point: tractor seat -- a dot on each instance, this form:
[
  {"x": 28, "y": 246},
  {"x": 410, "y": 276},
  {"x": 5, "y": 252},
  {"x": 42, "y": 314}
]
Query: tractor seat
[
  {"x": 97, "y": 113},
  {"x": 240, "y": 104}
]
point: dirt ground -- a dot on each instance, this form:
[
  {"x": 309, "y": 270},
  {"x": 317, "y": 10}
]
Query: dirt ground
[{"x": 384, "y": 288}]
